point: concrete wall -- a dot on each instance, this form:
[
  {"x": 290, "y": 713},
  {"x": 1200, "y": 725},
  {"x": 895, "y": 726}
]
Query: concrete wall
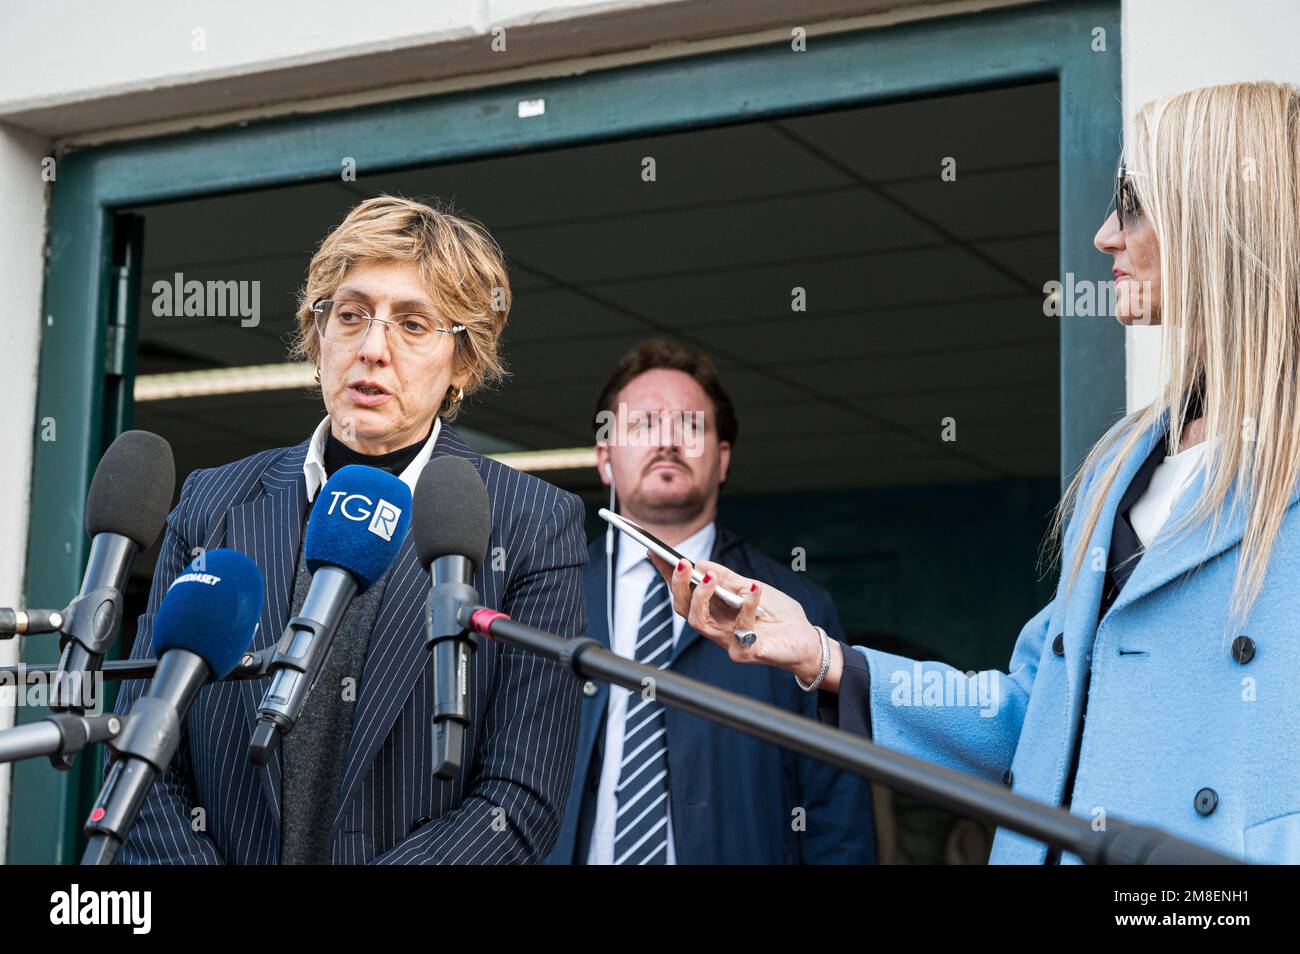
[
  {"x": 22, "y": 266},
  {"x": 69, "y": 66}
]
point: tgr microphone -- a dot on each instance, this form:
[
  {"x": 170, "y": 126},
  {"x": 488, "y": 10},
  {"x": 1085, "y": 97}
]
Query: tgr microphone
[
  {"x": 357, "y": 525},
  {"x": 204, "y": 624},
  {"x": 451, "y": 529},
  {"x": 125, "y": 510}
]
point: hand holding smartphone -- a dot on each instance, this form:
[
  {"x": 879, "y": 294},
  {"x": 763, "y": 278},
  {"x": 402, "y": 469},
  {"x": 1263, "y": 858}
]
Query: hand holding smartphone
[{"x": 668, "y": 554}]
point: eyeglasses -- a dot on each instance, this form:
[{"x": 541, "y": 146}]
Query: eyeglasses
[
  {"x": 1127, "y": 206},
  {"x": 346, "y": 322}
]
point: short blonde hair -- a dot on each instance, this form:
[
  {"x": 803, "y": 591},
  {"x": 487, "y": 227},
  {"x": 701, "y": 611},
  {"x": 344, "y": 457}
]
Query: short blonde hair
[{"x": 461, "y": 266}]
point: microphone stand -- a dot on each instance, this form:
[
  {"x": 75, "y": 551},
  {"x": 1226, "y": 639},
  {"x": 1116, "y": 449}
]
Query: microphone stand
[
  {"x": 90, "y": 622},
  {"x": 87, "y": 629},
  {"x": 58, "y": 736},
  {"x": 253, "y": 665},
  {"x": 298, "y": 659},
  {"x": 29, "y": 622},
  {"x": 1120, "y": 843},
  {"x": 452, "y": 646}
]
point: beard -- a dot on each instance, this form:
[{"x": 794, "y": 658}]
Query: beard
[{"x": 680, "y": 505}]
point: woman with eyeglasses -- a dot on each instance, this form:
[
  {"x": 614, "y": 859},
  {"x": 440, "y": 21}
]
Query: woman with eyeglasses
[
  {"x": 1162, "y": 683},
  {"x": 402, "y": 314}
]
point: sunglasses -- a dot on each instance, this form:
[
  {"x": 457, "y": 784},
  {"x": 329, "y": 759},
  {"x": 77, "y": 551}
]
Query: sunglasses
[{"x": 1126, "y": 200}]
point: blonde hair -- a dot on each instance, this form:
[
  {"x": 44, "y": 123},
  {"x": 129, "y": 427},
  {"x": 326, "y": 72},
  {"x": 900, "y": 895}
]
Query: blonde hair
[
  {"x": 460, "y": 264},
  {"x": 1219, "y": 182}
]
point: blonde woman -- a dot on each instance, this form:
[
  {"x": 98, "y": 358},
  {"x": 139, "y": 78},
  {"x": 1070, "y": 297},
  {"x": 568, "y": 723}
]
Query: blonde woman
[
  {"x": 1162, "y": 683},
  {"x": 402, "y": 314}
]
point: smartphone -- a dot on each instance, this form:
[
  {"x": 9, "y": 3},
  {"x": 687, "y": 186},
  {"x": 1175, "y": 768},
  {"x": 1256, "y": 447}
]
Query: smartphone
[{"x": 648, "y": 540}]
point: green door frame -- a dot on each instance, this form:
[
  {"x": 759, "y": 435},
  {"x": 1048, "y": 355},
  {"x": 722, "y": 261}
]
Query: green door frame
[{"x": 83, "y": 379}]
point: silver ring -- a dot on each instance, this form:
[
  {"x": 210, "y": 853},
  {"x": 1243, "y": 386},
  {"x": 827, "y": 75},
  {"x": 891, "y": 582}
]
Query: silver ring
[{"x": 746, "y": 637}]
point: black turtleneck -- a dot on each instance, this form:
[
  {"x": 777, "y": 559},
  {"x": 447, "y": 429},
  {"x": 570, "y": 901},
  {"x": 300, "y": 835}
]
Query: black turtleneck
[{"x": 338, "y": 454}]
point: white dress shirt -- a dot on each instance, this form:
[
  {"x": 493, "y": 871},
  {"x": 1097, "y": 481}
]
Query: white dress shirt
[
  {"x": 313, "y": 468},
  {"x": 1168, "y": 482},
  {"x": 633, "y": 573}
]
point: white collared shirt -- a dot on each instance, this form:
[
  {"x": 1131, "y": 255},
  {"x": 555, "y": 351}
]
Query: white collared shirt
[
  {"x": 633, "y": 573},
  {"x": 313, "y": 468}
]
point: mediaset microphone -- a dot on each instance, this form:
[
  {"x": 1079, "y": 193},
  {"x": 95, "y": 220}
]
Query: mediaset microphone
[
  {"x": 355, "y": 530},
  {"x": 451, "y": 529},
  {"x": 125, "y": 511},
  {"x": 204, "y": 624}
]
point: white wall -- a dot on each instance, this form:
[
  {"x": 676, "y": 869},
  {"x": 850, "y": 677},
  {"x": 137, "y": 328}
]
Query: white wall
[
  {"x": 106, "y": 48},
  {"x": 1176, "y": 45},
  {"x": 69, "y": 66},
  {"x": 22, "y": 199}
]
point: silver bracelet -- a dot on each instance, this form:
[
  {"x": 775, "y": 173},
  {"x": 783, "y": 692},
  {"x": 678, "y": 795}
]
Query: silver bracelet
[{"x": 826, "y": 663}]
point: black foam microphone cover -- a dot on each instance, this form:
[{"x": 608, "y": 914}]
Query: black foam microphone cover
[
  {"x": 131, "y": 491},
  {"x": 451, "y": 514}
]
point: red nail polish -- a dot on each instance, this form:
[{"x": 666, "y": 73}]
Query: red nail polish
[
  {"x": 707, "y": 577},
  {"x": 753, "y": 587},
  {"x": 681, "y": 565}
]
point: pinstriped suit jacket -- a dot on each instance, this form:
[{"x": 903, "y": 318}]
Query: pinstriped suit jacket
[{"x": 507, "y": 802}]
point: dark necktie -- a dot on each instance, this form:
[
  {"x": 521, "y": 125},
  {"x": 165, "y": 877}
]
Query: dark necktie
[{"x": 641, "y": 827}]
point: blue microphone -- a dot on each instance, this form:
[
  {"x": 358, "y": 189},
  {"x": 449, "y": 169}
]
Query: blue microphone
[
  {"x": 357, "y": 526},
  {"x": 203, "y": 627},
  {"x": 211, "y": 611}
]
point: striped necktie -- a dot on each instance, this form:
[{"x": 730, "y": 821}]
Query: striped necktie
[{"x": 641, "y": 827}]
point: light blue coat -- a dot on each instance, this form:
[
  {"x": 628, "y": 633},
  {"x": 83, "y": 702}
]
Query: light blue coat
[{"x": 1170, "y": 712}]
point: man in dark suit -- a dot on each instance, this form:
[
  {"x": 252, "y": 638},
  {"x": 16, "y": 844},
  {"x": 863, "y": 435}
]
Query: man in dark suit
[
  {"x": 396, "y": 352},
  {"x": 652, "y": 784}
]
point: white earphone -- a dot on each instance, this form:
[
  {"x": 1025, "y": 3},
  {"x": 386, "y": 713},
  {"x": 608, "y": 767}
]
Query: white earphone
[{"x": 609, "y": 560}]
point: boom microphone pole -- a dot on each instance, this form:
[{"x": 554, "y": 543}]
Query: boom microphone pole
[
  {"x": 57, "y": 736},
  {"x": 1120, "y": 843},
  {"x": 29, "y": 622}
]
